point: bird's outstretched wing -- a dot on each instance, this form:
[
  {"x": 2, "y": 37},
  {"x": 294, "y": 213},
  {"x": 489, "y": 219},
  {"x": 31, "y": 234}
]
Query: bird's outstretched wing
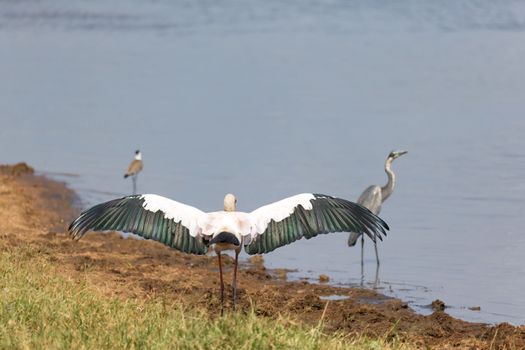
[
  {"x": 307, "y": 215},
  {"x": 150, "y": 216}
]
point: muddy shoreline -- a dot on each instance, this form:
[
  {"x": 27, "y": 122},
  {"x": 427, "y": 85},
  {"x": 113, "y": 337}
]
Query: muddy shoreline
[{"x": 36, "y": 211}]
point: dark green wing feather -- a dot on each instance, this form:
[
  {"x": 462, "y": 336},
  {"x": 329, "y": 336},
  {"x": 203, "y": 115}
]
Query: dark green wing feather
[
  {"x": 328, "y": 214},
  {"x": 128, "y": 214}
]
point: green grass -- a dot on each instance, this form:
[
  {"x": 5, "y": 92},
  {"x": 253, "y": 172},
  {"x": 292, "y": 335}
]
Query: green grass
[{"x": 41, "y": 309}]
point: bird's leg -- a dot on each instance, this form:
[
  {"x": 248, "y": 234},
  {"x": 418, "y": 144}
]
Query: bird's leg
[
  {"x": 377, "y": 255},
  {"x": 134, "y": 180},
  {"x": 362, "y": 261},
  {"x": 362, "y": 249},
  {"x": 222, "y": 283},
  {"x": 376, "y": 281},
  {"x": 234, "y": 282}
]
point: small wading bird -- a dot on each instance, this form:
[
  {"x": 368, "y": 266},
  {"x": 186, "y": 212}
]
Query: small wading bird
[
  {"x": 135, "y": 167},
  {"x": 191, "y": 230},
  {"x": 373, "y": 197}
]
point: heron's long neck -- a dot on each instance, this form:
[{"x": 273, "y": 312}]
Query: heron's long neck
[{"x": 387, "y": 189}]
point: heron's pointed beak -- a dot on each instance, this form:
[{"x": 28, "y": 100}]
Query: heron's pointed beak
[{"x": 397, "y": 154}]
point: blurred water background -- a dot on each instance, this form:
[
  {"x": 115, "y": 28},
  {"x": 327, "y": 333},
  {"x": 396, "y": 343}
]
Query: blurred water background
[{"x": 267, "y": 99}]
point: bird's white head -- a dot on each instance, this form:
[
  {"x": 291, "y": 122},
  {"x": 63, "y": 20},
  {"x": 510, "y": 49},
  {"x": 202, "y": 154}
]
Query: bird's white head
[
  {"x": 230, "y": 202},
  {"x": 138, "y": 155}
]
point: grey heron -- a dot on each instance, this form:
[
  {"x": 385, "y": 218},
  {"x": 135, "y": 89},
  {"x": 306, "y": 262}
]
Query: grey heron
[
  {"x": 134, "y": 168},
  {"x": 373, "y": 197},
  {"x": 193, "y": 231}
]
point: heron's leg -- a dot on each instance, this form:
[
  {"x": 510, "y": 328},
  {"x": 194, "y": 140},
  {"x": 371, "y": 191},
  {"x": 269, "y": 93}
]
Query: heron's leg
[
  {"x": 362, "y": 260},
  {"x": 376, "y": 281},
  {"x": 362, "y": 249},
  {"x": 377, "y": 255},
  {"x": 234, "y": 283},
  {"x": 222, "y": 283}
]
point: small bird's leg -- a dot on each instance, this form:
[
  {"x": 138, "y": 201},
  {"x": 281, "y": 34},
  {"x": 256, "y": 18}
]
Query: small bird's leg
[
  {"x": 222, "y": 283},
  {"x": 134, "y": 179},
  {"x": 234, "y": 282}
]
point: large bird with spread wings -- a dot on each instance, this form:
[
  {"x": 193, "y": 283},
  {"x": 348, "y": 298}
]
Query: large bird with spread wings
[{"x": 191, "y": 230}]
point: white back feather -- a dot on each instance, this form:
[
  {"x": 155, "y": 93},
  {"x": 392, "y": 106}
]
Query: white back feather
[
  {"x": 278, "y": 211},
  {"x": 187, "y": 215},
  {"x": 237, "y": 223}
]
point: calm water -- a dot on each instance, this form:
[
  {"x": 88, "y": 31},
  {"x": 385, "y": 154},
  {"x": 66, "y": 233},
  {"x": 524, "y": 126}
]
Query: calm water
[{"x": 267, "y": 99}]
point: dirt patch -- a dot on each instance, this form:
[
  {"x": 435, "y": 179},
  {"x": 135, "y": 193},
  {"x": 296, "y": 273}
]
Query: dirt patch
[
  {"x": 16, "y": 169},
  {"x": 438, "y": 305},
  {"x": 36, "y": 211}
]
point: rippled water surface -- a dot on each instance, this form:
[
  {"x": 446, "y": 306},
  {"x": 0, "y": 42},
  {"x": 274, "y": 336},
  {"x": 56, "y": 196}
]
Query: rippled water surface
[{"x": 270, "y": 98}]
